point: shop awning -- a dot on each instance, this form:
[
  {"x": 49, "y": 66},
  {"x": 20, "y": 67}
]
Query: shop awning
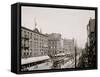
[{"x": 33, "y": 59}]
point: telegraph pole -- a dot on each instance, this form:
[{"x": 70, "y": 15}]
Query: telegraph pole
[
  {"x": 75, "y": 56},
  {"x": 75, "y": 53}
]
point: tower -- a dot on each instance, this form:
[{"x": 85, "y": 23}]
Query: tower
[{"x": 35, "y": 22}]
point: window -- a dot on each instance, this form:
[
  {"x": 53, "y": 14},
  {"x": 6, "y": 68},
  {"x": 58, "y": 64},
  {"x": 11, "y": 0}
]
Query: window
[
  {"x": 22, "y": 33},
  {"x": 24, "y": 54},
  {"x": 22, "y": 42},
  {"x": 26, "y": 43},
  {"x": 30, "y": 44},
  {"x": 30, "y": 35}
]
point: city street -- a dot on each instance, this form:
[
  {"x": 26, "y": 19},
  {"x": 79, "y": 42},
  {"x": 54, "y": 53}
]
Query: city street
[
  {"x": 69, "y": 64},
  {"x": 48, "y": 65}
]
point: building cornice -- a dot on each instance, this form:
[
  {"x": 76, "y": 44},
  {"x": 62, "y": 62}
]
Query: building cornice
[{"x": 34, "y": 31}]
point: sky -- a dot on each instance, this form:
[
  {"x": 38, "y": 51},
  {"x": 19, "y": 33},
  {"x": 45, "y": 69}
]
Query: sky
[{"x": 70, "y": 23}]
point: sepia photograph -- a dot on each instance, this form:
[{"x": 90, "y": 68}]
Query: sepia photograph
[{"x": 57, "y": 38}]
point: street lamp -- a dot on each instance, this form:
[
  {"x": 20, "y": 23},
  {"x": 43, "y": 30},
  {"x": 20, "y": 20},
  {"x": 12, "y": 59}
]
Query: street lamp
[{"x": 75, "y": 53}]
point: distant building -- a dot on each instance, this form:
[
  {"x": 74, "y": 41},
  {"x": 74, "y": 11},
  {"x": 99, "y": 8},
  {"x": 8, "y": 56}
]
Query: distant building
[
  {"x": 33, "y": 43},
  {"x": 54, "y": 44},
  {"x": 68, "y": 45},
  {"x": 57, "y": 45}
]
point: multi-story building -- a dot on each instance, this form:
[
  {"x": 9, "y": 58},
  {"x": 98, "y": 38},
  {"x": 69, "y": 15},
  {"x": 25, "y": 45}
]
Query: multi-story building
[
  {"x": 54, "y": 44},
  {"x": 69, "y": 47},
  {"x": 58, "y": 45},
  {"x": 34, "y": 49},
  {"x": 88, "y": 58},
  {"x": 26, "y": 43},
  {"x": 60, "y": 50},
  {"x": 91, "y": 43},
  {"x": 33, "y": 43}
]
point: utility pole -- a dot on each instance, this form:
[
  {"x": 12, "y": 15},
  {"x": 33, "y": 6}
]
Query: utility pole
[
  {"x": 75, "y": 56},
  {"x": 75, "y": 53}
]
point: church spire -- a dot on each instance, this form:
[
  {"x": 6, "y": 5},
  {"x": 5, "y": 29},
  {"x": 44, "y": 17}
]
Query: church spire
[{"x": 35, "y": 23}]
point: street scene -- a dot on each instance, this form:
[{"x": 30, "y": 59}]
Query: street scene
[{"x": 57, "y": 39}]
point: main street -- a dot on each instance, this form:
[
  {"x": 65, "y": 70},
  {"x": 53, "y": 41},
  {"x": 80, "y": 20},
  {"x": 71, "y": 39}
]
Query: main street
[{"x": 56, "y": 63}]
